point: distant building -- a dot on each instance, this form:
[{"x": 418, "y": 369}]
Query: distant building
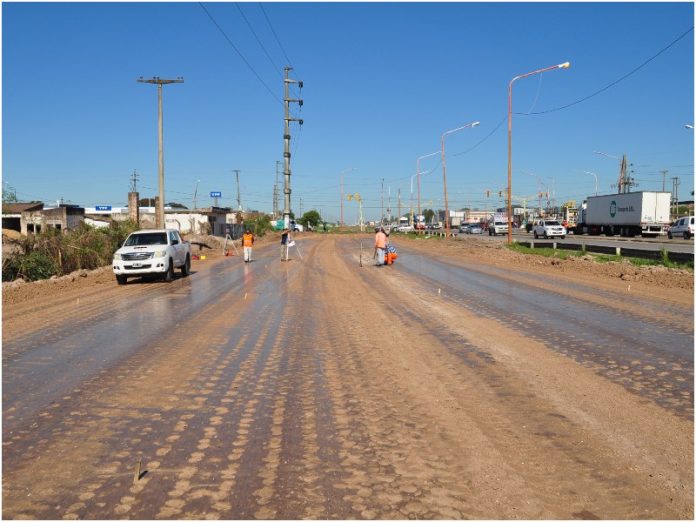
[
  {"x": 33, "y": 218},
  {"x": 456, "y": 217},
  {"x": 12, "y": 214},
  {"x": 216, "y": 221}
]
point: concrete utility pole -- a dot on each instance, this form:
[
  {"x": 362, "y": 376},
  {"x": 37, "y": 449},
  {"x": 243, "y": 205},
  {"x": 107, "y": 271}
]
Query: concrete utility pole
[
  {"x": 160, "y": 147},
  {"x": 399, "y": 200},
  {"x": 195, "y": 195},
  {"x": 134, "y": 181},
  {"x": 239, "y": 197},
  {"x": 133, "y": 199},
  {"x": 276, "y": 206},
  {"x": 286, "y": 154},
  {"x": 675, "y": 194},
  {"x": 664, "y": 177},
  {"x": 389, "y": 219},
  {"x": 381, "y": 219}
]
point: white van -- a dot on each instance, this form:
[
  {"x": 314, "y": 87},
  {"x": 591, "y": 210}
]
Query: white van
[{"x": 683, "y": 227}]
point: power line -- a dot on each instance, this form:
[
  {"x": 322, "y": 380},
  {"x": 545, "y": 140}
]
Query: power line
[
  {"x": 646, "y": 62},
  {"x": 484, "y": 138},
  {"x": 258, "y": 39},
  {"x": 240, "y": 54},
  {"x": 582, "y": 99},
  {"x": 274, "y": 34}
]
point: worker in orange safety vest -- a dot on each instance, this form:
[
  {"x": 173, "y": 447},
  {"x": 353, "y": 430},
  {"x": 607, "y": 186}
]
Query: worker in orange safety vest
[{"x": 247, "y": 243}]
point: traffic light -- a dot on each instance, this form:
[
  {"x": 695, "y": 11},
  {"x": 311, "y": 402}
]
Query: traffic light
[
  {"x": 500, "y": 193},
  {"x": 488, "y": 193}
]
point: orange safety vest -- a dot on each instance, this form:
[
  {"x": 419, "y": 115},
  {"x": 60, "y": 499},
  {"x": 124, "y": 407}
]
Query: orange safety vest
[{"x": 248, "y": 240}]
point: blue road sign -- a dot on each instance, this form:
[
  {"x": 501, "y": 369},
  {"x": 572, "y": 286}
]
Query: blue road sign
[
  {"x": 216, "y": 194},
  {"x": 102, "y": 207}
]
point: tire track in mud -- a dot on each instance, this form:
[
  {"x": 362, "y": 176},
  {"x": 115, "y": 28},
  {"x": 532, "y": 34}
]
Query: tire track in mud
[
  {"x": 665, "y": 378},
  {"x": 509, "y": 404},
  {"x": 117, "y": 378},
  {"x": 23, "y": 335},
  {"x": 307, "y": 392}
]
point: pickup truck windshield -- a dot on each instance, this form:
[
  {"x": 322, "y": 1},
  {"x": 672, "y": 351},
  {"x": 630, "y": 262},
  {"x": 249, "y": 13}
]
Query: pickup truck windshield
[
  {"x": 553, "y": 223},
  {"x": 154, "y": 238}
]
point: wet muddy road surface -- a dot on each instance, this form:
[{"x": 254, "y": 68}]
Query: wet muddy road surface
[{"x": 318, "y": 388}]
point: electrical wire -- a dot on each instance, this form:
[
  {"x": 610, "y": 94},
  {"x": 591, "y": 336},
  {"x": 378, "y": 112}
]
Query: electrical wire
[
  {"x": 646, "y": 62},
  {"x": 582, "y": 99},
  {"x": 258, "y": 39},
  {"x": 484, "y": 139},
  {"x": 536, "y": 98},
  {"x": 274, "y": 34},
  {"x": 239, "y": 53}
]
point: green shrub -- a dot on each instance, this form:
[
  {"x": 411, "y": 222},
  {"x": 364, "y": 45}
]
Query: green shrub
[
  {"x": 30, "y": 267},
  {"x": 55, "y": 253},
  {"x": 259, "y": 225}
]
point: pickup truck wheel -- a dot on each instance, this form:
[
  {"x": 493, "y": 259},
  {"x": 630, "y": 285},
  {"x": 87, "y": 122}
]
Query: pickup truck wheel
[
  {"x": 546, "y": 236},
  {"x": 186, "y": 267},
  {"x": 169, "y": 274},
  {"x": 536, "y": 236},
  {"x": 121, "y": 279},
  {"x": 562, "y": 237},
  {"x": 686, "y": 235},
  {"x": 669, "y": 235}
]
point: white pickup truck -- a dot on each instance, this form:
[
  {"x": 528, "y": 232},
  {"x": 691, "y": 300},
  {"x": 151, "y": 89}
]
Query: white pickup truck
[
  {"x": 549, "y": 228},
  {"x": 497, "y": 226},
  {"x": 152, "y": 252}
]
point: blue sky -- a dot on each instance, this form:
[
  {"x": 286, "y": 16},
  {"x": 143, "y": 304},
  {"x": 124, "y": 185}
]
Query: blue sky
[{"x": 382, "y": 82}]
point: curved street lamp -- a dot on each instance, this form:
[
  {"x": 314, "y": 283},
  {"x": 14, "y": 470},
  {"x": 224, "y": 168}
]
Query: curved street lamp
[
  {"x": 444, "y": 170},
  {"x": 595, "y": 180},
  {"x": 564, "y": 65},
  {"x": 418, "y": 173}
]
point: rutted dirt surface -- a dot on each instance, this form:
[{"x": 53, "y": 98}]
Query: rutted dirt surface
[{"x": 318, "y": 388}]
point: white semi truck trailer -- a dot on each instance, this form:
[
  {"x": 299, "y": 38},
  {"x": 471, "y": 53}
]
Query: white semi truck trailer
[{"x": 628, "y": 214}]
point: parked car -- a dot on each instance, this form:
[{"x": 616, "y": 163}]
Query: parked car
[
  {"x": 549, "y": 228},
  {"x": 152, "y": 252},
  {"x": 475, "y": 229},
  {"x": 683, "y": 227},
  {"x": 405, "y": 228},
  {"x": 464, "y": 229}
]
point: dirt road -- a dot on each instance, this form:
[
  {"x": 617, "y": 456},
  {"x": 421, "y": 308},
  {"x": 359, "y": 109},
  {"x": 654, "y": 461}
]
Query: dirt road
[{"x": 446, "y": 386}]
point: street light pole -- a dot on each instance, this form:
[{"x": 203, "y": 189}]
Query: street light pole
[
  {"x": 418, "y": 173},
  {"x": 343, "y": 172},
  {"x": 564, "y": 65},
  {"x": 159, "y": 218},
  {"x": 595, "y": 180},
  {"x": 413, "y": 223},
  {"x": 444, "y": 170}
]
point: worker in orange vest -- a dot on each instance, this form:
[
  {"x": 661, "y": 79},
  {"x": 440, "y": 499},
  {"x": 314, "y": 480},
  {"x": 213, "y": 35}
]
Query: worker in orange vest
[{"x": 247, "y": 243}]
